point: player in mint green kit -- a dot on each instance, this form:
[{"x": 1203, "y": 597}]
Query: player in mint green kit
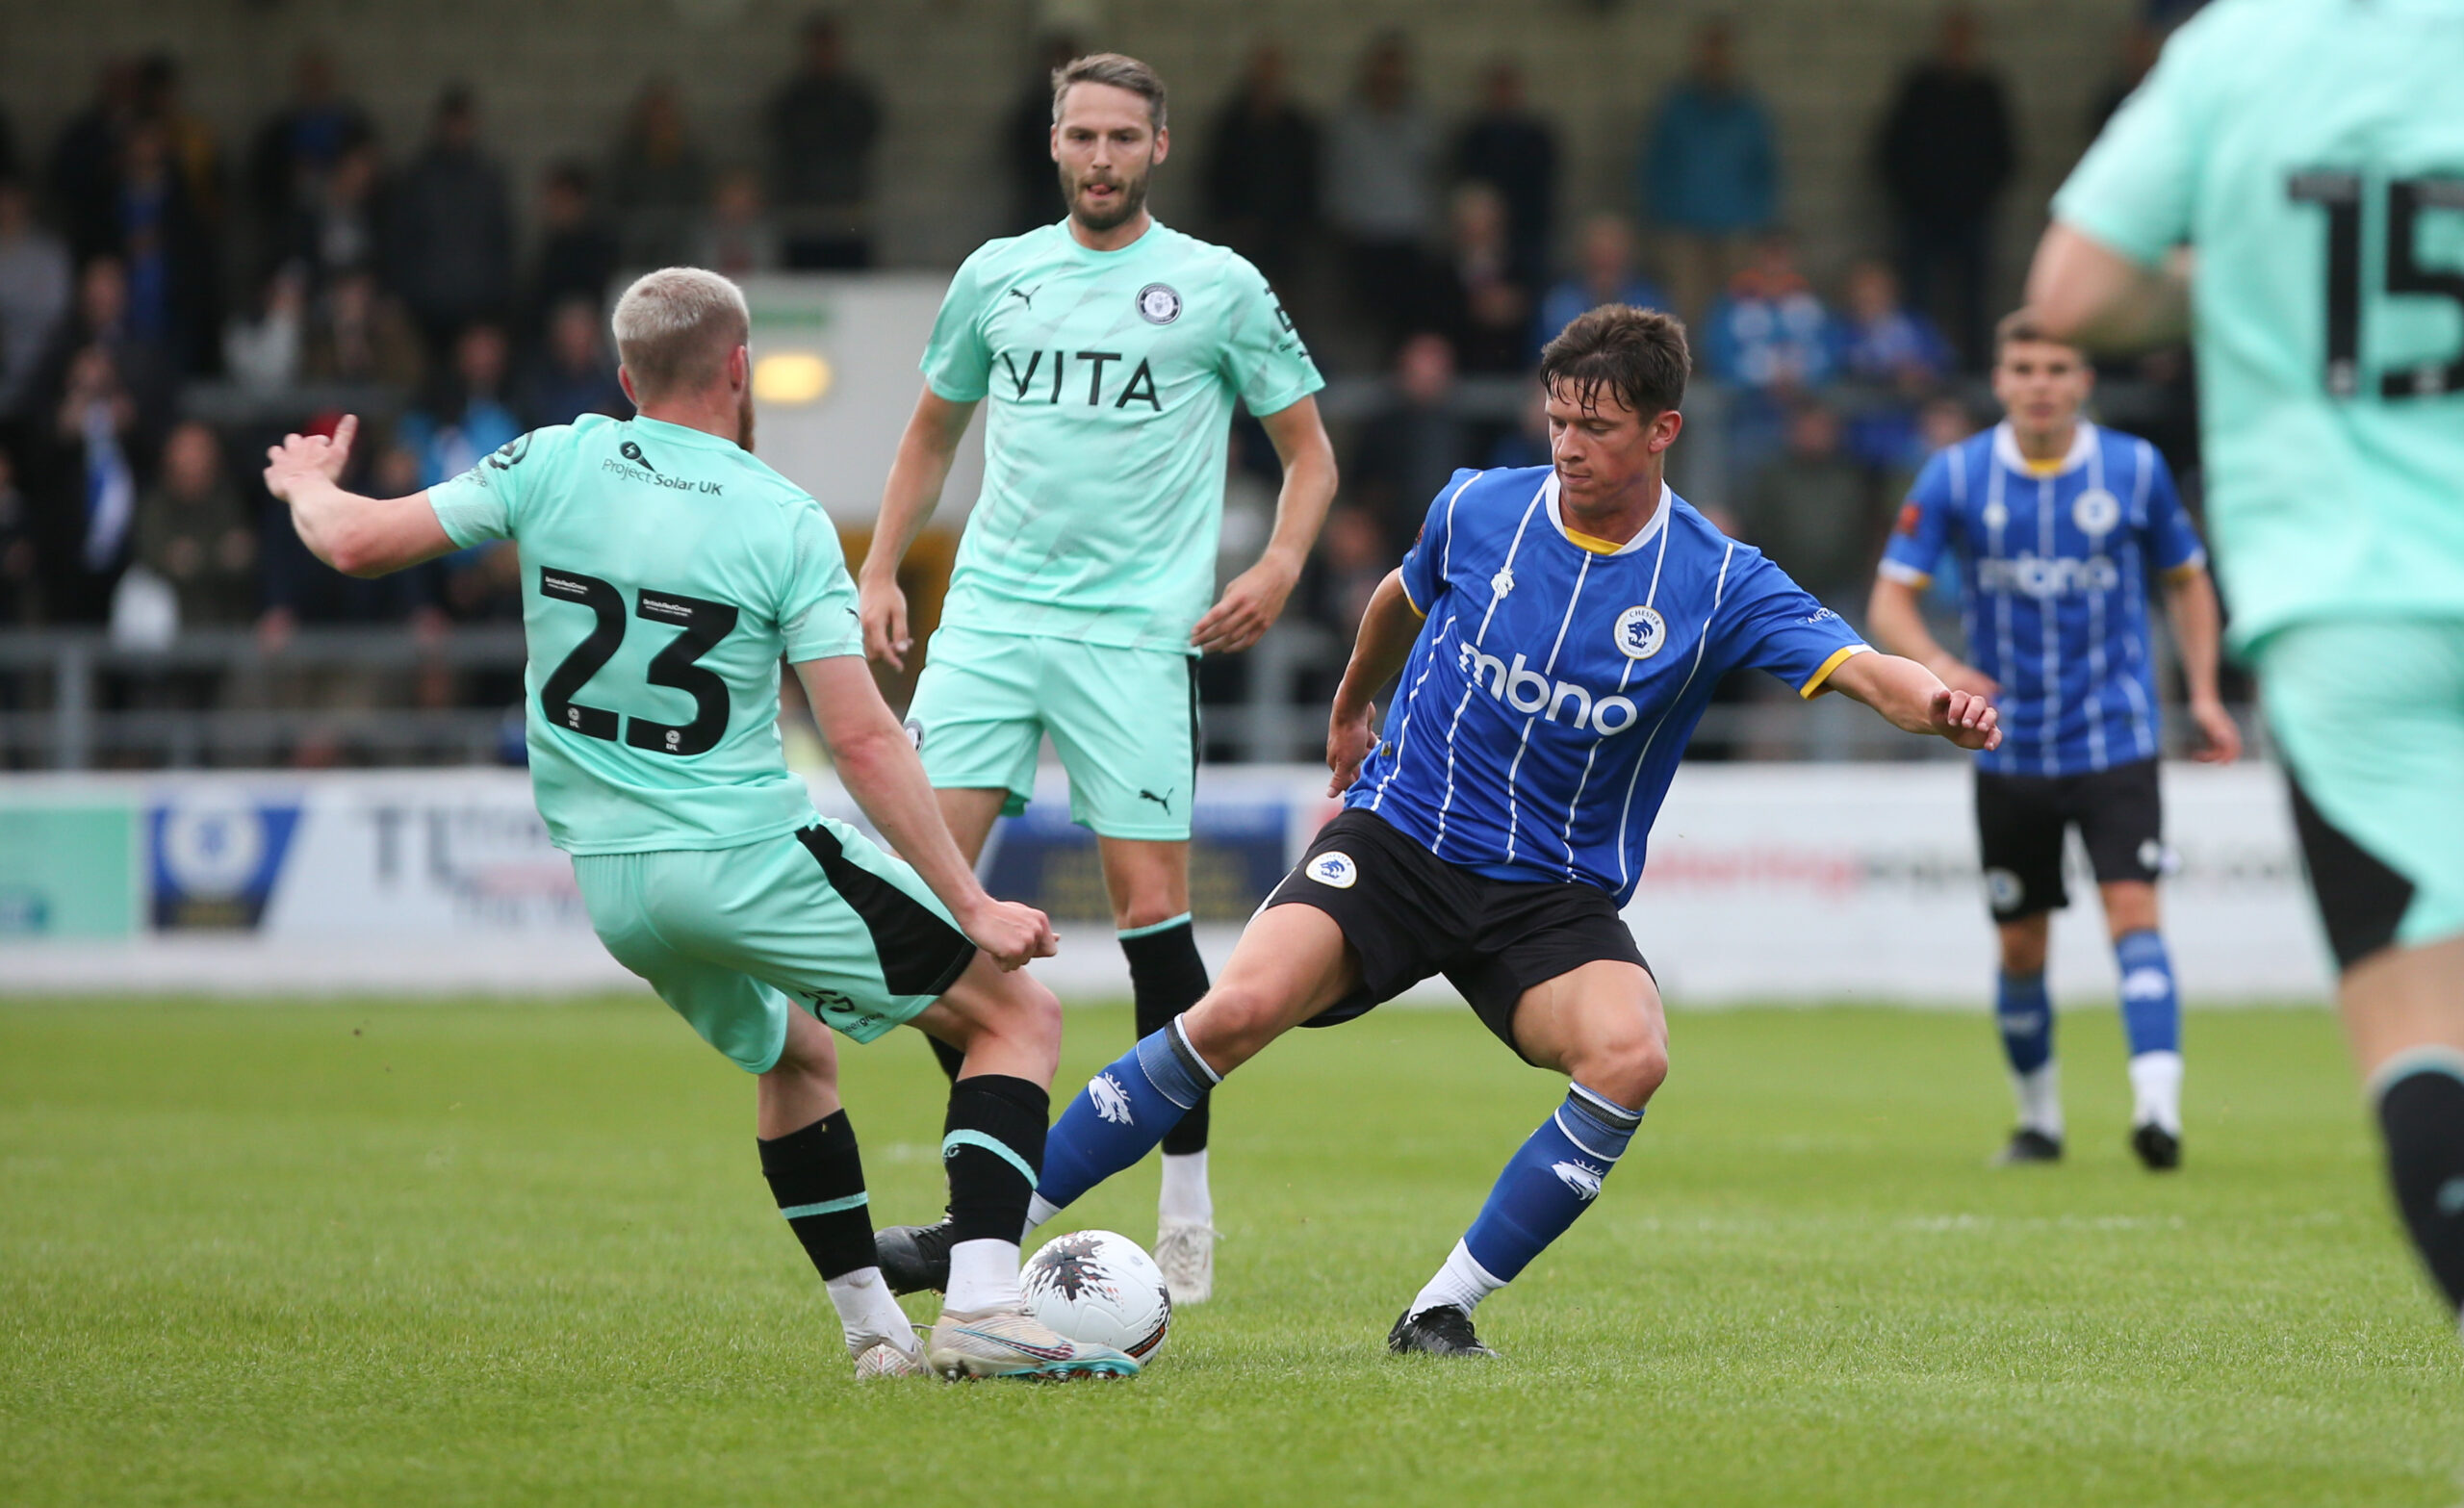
[
  {"x": 665, "y": 573},
  {"x": 2311, "y": 153},
  {"x": 1110, "y": 350}
]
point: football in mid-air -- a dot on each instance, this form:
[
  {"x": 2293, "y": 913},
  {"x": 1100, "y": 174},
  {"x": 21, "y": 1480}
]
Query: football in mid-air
[{"x": 1101, "y": 1289}]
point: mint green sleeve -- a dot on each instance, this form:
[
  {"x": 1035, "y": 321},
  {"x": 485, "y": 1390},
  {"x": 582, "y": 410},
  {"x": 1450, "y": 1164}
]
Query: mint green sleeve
[
  {"x": 818, "y": 616},
  {"x": 485, "y": 501},
  {"x": 2132, "y": 192},
  {"x": 1263, "y": 358},
  {"x": 958, "y": 359}
]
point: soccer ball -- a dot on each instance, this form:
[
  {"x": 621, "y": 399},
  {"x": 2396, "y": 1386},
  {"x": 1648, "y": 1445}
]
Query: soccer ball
[{"x": 1101, "y": 1289}]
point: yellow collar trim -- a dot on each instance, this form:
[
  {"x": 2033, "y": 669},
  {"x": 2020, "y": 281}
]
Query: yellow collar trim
[{"x": 1592, "y": 542}]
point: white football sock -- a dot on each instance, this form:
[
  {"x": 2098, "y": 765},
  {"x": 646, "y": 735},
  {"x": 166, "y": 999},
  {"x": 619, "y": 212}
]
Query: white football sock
[
  {"x": 983, "y": 1274},
  {"x": 1186, "y": 1198},
  {"x": 2156, "y": 1090},
  {"x": 1462, "y": 1283},
  {"x": 1039, "y": 1210},
  {"x": 867, "y": 1311},
  {"x": 2040, "y": 1095}
]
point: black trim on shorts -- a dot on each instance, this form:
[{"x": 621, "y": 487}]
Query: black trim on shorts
[
  {"x": 2361, "y": 899},
  {"x": 1196, "y": 736},
  {"x": 2020, "y": 823},
  {"x": 1409, "y": 915},
  {"x": 920, "y": 954}
]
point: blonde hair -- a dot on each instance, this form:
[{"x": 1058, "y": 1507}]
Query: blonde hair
[{"x": 676, "y": 327}]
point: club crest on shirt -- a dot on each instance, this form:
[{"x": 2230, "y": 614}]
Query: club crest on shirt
[
  {"x": 2097, "y": 511},
  {"x": 1996, "y": 514},
  {"x": 1158, "y": 303},
  {"x": 1641, "y": 632}
]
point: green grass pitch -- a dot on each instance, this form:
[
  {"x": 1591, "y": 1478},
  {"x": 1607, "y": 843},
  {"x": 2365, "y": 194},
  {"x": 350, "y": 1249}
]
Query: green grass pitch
[{"x": 522, "y": 1253}]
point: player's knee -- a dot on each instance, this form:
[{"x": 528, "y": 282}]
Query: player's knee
[
  {"x": 1032, "y": 1019},
  {"x": 1233, "y": 1022},
  {"x": 2023, "y": 946},
  {"x": 1626, "y": 1058}
]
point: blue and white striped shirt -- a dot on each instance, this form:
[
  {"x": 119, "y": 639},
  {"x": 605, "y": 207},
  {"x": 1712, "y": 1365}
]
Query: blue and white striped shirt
[
  {"x": 1551, "y": 691},
  {"x": 2054, "y": 561}
]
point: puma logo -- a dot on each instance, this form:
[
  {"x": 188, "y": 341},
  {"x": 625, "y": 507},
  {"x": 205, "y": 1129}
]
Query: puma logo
[
  {"x": 1026, "y": 297},
  {"x": 1163, "y": 802}
]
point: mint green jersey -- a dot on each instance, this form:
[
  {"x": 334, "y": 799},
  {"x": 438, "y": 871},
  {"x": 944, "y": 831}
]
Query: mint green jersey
[
  {"x": 664, "y": 572},
  {"x": 1111, "y": 375},
  {"x": 2312, "y": 151}
]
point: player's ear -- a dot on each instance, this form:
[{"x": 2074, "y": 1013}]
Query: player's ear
[
  {"x": 625, "y": 380},
  {"x": 1163, "y": 142},
  {"x": 741, "y": 369},
  {"x": 1664, "y": 429}
]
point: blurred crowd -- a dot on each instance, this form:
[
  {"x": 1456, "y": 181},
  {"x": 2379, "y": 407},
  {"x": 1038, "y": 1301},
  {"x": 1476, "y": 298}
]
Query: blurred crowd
[{"x": 170, "y": 301}]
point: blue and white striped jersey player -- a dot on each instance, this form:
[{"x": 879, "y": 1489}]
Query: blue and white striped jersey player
[
  {"x": 2057, "y": 524},
  {"x": 1557, "y": 630}
]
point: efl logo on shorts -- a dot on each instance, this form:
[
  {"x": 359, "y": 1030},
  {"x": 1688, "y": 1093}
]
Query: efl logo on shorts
[
  {"x": 2003, "y": 890},
  {"x": 915, "y": 734},
  {"x": 1333, "y": 870}
]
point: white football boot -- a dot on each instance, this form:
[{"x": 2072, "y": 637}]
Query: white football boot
[
  {"x": 1010, "y": 1342},
  {"x": 1185, "y": 1249},
  {"x": 878, "y": 1356}
]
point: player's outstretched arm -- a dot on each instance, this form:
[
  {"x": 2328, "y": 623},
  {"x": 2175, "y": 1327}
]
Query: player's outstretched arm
[
  {"x": 2081, "y": 290},
  {"x": 358, "y": 536},
  {"x": 1253, "y": 600},
  {"x": 1898, "y": 625},
  {"x": 1912, "y": 697},
  {"x": 1387, "y": 628},
  {"x": 908, "y": 498},
  {"x": 877, "y": 765},
  {"x": 2198, "y": 625}
]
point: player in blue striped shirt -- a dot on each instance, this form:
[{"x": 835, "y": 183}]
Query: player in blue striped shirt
[
  {"x": 2056, "y": 524},
  {"x": 1557, "y": 630}
]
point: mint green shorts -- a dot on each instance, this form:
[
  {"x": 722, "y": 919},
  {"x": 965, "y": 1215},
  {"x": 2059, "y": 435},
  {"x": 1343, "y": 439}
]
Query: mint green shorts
[
  {"x": 730, "y": 937},
  {"x": 2369, "y": 714},
  {"x": 1125, "y": 723}
]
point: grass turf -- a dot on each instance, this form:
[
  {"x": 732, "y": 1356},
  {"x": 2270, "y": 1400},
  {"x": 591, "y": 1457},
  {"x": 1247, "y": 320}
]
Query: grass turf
[{"x": 369, "y": 1253}]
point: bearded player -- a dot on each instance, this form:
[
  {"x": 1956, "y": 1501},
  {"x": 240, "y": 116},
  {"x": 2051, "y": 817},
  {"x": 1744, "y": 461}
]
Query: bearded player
[
  {"x": 1557, "y": 631},
  {"x": 1111, "y": 348}
]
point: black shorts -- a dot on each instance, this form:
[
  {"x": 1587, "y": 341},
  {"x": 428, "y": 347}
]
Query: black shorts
[
  {"x": 2020, "y": 820},
  {"x": 1410, "y": 914}
]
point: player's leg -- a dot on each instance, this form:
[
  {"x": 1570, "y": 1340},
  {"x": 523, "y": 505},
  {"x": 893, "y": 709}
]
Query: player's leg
[
  {"x": 2370, "y": 718},
  {"x": 2122, "y": 824},
  {"x": 2019, "y": 829},
  {"x": 1601, "y": 1025},
  {"x": 968, "y": 812}
]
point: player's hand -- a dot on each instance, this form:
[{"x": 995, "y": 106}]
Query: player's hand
[
  {"x": 301, "y": 456},
  {"x": 1011, "y": 931},
  {"x": 1965, "y": 719},
  {"x": 1348, "y": 742},
  {"x": 1250, "y": 603},
  {"x": 1961, "y": 675},
  {"x": 2221, "y": 736},
  {"x": 883, "y": 608}
]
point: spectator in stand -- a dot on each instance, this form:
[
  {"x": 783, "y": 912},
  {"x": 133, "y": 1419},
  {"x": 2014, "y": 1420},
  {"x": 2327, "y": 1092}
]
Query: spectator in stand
[
  {"x": 1604, "y": 274},
  {"x": 572, "y": 375},
  {"x": 1483, "y": 308},
  {"x": 34, "y": 299},
  {"x": 1514, "y": 151},
  {"x": 657, "y": 178},
  {"x": 194, "y": 156},
  {"x": 262, "y": 353},
  {"x": 1770, "y": 338},
  {"x": 450, "y": 229},
  {"x": 193, "y": 532},
  {"x": 1026, "y": 140},
  {"x": 1381, "y": 188},
  {"x": 85, "y": 164},
  {"x": 468, "y": 416},
  {"x": 1945, "y": 154},
  {"x": 1888, "y": 347},
  {"x": 1354, "y": 557},
  {"x": 1811, "y": 508},
  {"x": 822, "y": 124},
  {"x": 137, "y": 369},
  {"x": 737, "y": 238},
  {"x": 301, "y": 143},
  {"x": 335, "y": 226},
  {"x": 576, "y": 251},
  {"x": 86, "y": 521},
  {"x": 1710, "y": 177},
  {"x": 1261, "y": 175},
  {"x": 1406, "y": 454},
  {"x": 359, "y": 333},
  {"x": 171, "y": 259}
]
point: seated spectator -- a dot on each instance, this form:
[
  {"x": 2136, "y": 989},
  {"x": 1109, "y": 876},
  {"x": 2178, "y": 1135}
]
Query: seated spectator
[
  {"x": 1604, "y": 274},
  {"x": 1514, "y": 151},
  {"x": 263, "y": 353},
  {"x": 739, "y": 238},
  {"x": 1354, "y": 557},
  {"x": 572, "y": 375},
  {"x": 1890, "y": 347},
  {"x": 657, "y": 179},
  {"x": 576, "y": 252},
  {"x": 194, "y": 533},
  {"x": 1406, "y": 454},
  {"x": 1769, "y": 334},
  {"x": 1482, "y": 307},
  {"x": 172, "y": 262},
  {"x": 85, "y": 520},
  {"x": 468, "y": 416},
  {"x": 1811, "y": 509},
  {"x": 195, "y": 155},
  {"x": 34, "y": 283},
  {"x": 299, "y": 589},
  {"x": 302, "y": 142},
  {"x": 359, "y": 333}
]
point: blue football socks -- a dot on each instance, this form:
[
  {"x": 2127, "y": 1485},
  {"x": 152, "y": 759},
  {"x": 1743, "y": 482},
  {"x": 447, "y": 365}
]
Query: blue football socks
[
  {"x": 2151, "y": 1013},
  {"x": 1551, "y": 1180},
  {"x": 1121, "y": 1113}
]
